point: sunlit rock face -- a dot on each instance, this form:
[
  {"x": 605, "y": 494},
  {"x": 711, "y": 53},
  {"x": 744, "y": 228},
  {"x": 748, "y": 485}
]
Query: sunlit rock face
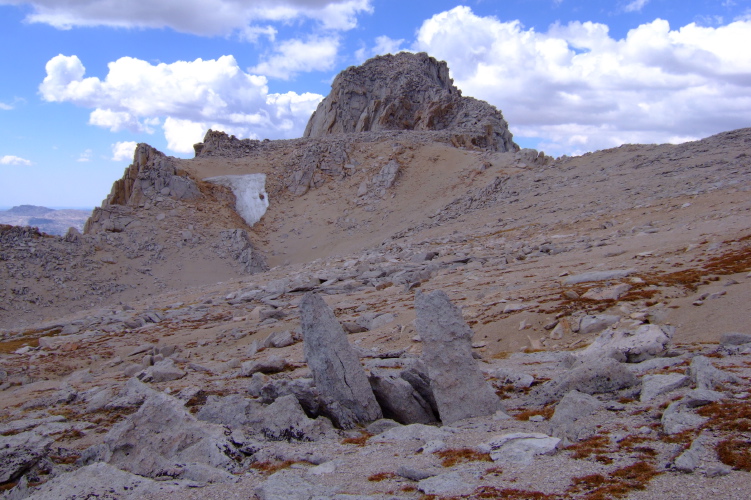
[{"x": 252, "y": 200}]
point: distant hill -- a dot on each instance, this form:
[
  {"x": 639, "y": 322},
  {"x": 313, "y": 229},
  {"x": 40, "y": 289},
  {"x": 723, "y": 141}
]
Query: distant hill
[{"x": 48, "y": 220}]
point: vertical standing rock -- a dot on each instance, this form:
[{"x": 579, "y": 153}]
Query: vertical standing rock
[
  {"x": 339, "y": 376},
  {"x": 458, "y": 385}
]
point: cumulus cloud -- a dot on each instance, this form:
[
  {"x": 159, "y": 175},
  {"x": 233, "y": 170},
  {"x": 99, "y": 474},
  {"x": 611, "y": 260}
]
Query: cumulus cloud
[
  {"x": 198, "y": 17},
  {"x": 186, "y": 97},
  {"x": 123, "y": 151},
  {"x": 5, "y": 107},
  {"x": 576, "y": 88},
  {"x": 295, "y": 56},
  {"x": 13, "y": 160}
]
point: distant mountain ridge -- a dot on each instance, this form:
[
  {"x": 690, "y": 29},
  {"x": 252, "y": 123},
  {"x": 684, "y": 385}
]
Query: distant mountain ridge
[{"x": 48, "y": 220}]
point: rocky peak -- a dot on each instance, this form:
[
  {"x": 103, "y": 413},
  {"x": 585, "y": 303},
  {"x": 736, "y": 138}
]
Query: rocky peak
[{"x": 407, "y": 92}]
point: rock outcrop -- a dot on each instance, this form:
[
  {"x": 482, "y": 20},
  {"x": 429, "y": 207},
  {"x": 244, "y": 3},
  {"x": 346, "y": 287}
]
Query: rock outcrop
[
  {"x": 151, "y": 175},
  {"x": 407, "y": 92}
]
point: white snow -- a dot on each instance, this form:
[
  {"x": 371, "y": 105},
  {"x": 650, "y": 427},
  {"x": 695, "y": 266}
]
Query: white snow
[{"x": 252, "y": 200}]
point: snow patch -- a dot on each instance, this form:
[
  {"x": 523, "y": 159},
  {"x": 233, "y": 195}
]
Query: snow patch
[{"x": 252, "y": 200}]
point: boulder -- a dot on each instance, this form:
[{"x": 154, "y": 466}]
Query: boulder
[
  {"x": 101, "y": 480},
  {"x": 162, "y": 371},
  {"x": 289, "y": 484},
  {"x": 607, "y": 292},
  {"x": 654, "y": 385},
  {"x": 285, "y": 420},
  {"x": 338, "y": 374},
  {"x": 234, "y": 411},
  {"x": 449, "y": 484},
  {"x": 279, "y": 339},
  {"x": 593, "y": 376},
  {"x": 162, "y": 436},
  {"x": 730, "y": 338},
  {"x": 457, "y": 383},
  {"x": 598, "y": 276},
  {"x": 270, "y": 364},
  {"x": 597, "y": 323},
  {"x": 520, "y": 447},
  {"x": 706, "y": 376},
  {"x": 571, "y": 418},
  {"x": 678, "y": 417},
  {"x": 631, "y": 345},
  {"x": 20, "y": 452},
  {"x": 398, "y": 399},
  {"x": 303, "y": 389}
]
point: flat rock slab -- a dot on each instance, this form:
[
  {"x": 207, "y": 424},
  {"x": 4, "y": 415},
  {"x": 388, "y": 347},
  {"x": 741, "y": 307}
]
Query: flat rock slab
[
  {"x": 450, "y": 484},
  {"x": 598, "y": 276},
  {"x": 101, "y": 480},
  {"x": 631, "y": 345},
  {"x": 338, "y": 374},
  {"x": 654, "y": 385},
  {"x": 19, "y": 452},
  {"x": 520, "y": 447},
  {"x": 458, "y": 385}
]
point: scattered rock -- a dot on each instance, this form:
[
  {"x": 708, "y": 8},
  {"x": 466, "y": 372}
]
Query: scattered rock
[
  {"x": 706, "y": 376},
  {"x": 449, "y": 484},
  {"x": 598, "y": 276},
  {"x": 19, "y": 452},
  {"x": 271, "y": 364},
  {"x": 678, "y": 418},
  {"x": 398, "y": 399},
  {"x": 735, "y": 338}
]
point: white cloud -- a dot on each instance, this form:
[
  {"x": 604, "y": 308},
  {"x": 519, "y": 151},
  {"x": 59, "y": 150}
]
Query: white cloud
[
  {"x": 185, "y": 96},
  {"x": 13, "y": 160},
  {"x": 85, "y": 156},
  {"x": 383, "y": 45},
  {"x": 635, "y": 5},
  {"x": 579, "y": 89},
  {"x": 296, "y": 56},
  {"x": 5, "y": 107},
  {"x": 199, "y": 17},
  {"x": 123, "y": 151}
]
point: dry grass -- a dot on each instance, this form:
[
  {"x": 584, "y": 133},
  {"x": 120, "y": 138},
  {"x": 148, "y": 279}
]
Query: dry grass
[
  {"x": 732, "y": 416},
  {"x": 618, "y": 483},
  {"x": 511, "y": 494},
  {"x": 381, "y": 476},
  {"x": 360, "y": 440},
  {"x": 735, "y": 453},
  {"x": 268, "y": 468},
  {"x": 453, "y": 456},
  {"x": 546, "y": 412},
  {"x": 596, "y": 445}
]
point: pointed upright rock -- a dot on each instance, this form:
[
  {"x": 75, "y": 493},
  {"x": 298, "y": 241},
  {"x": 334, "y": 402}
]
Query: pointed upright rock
[
  {"x": 338, "y": 374},
  {"x": 458, "y": 385}
]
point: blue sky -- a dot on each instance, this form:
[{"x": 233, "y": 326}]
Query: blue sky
[{"x": 84, "y": 80}]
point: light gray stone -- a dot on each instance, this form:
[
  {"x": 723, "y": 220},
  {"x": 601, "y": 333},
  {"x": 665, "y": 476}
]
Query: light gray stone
[
  {"x": 413, "y": 474},
  {"x": 338, "y": 374},
  {"x": 598, "y": 276},
  {"x": 571, "y": 418},
  {"x": 234, "y": 411},
  {"x": 593, "y": 376},
  {"x": 689, "y": 460},
  {"x": 520, "y": 447},
  {"x": 398, "y": 399},
  {"x": 290, "y": 484},
  {"x": 162, "y": 436},
  {"x": 279, "y": 339},
  {"x": 701, "y": 397},
  {"x": 101, "y": 480},
  {"x": 413, "y": 432},
  {"x": 733, "y": 338},
  {"x": 285, "y": 420},
  {"x": 655, "y": 385},
  {"x": 597, "y": 323},
  {"x": 163, "y": 371},
  {"x": 458, "y": 385},
  {"x": 631, "y": 345},
  {"x": 678, "y": 418},
  {"x": 270, "y": 364},
  {"x": 450, "y": 484},
  {"x": 19, "y": 452},
  {"x": 302, "y": 388},
  {"x": 607, "y": 293},
  {"x": 704, "y": 374}
]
